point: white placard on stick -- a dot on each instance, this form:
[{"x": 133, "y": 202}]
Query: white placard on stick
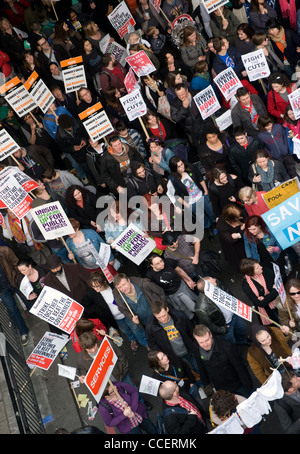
[
  {"x": 134, "y": 105},
  {"x": 44, "y": 354},
  {"x": 17, "y": 97},
  {"x": 256, "y": 65},
  {"x": 141, "y": 63},
  {"x": 73, "y": 74},
  {"x": 52, "y": 220},
  {"x": 294, "y": 99},
  {"x": 7, "y": 144},
  {"x": 41, "y": 94},
  {"x": 133, "y": 244},
  {"x": 96, "y": 122},
  {"x": 121, "y": 19},
  {"x": 228, "y": 82},
  {"x": 207, "y": 102}
]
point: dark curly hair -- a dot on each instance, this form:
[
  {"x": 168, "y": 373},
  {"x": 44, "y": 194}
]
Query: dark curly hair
[{"x": 70, "y": 201}]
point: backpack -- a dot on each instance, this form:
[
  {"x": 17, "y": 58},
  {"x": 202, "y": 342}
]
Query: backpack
[
  {"x": 179, "y": 147},
  {"x": 97, "y": 81},
  {"x": 160, "y": 418}
]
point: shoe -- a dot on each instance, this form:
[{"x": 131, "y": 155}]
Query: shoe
[
  {"x": 24, "y": 339},
  {"x": 85, "y": 180},
  {"x": 134, "y": 346}
]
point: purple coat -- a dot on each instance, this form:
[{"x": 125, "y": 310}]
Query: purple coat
[{"x": 112, "y": 416}]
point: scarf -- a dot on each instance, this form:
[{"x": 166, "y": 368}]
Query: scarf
[
  {"x": 288, "y": 10},
  {"x": 254, "y": 115},
  {"x": 18, "y": 233},
  {"x": 267, "y": 178},
  {"x": 271, "y": 305},
  {"x": 280, "y": 37}
]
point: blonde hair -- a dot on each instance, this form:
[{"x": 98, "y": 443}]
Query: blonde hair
[{"x": 246, "y": 193}]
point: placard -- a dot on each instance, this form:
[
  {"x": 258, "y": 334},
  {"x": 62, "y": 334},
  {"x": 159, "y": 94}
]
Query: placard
[
  {"x": 102, "y": 260},
  {"x": 224, "y": 120},
  {"x": 27, "y": 183},
  {"x": 73, "y": 74},
  {"x": 281, "y": 193},
  {"x": 141, "y": 63},
  {"x": 133, "y": 244},
  {"x": 149, "y": 385},
  {"x": 182, "y": 18},
  {"x": 256, "y": 65},
  {"x": 17, "y": 97},
  {"x": 130, "y": 81},
  {"x": 48, "y": 348},
  {"x": 134, "y": 105},
  {"x": 228, "y": 82},
  {"x": 121, "y": 19},
  {"x": 13, "y": 196},
  {"x": 294, "y": 99},
  {"x": 52, "y": 220},
  {"x": 58, "y": 309},
  {"x": 230, "y": 302},
  {"x": 39, "y": 91},
  {"x": 112, "y": 47},
  {"x": 102, "y": 367},
  {"x": 207, "y": 102},
  {"x": 279, "y": 283},
  {"x": 96, "y": 122},
  {"x": 26, "y": 287},
  {"x": 284, "y": 221},
  {"x": 156, "y": 4},
  {"x": 212, "y": 5},
  {"x": 7, "y": 144}
]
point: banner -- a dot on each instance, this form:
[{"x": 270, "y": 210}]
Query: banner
[
  {"x": 279, "y": 283},
  {"x": 13, "y": 196},
  {"x": 96, "y": 122},
  {"x": 294, "y": 99},
  {"x": 130, "y": 82},
  {"x": 73, "y": 74},
  {"x": 230, "y": 302},
  {"x": 121, "y": 19},
  {"x": 207, "y": 102},
  {"x": 58, "y": 309},
  {"x": 281, "y": 193},
  {"x": 256, "y": 65},
  {"x": 39, "y": 91},
  {"x": 98, "y": 374},
  {"x": 52, "y": 220},
  {"x": 27, "y": 183},
  {"x": 16, "y": 95},
  {"x": 228, "y": 83},
  {"x": 7, "y": 144},
  {"x": 133, "y": 244},
  {"x": 284, "y": 221},
  {"x": 134, "y": 105},
  {"x": 113, "y": 48},
  {"x": 47, "y": 350},
  {"x": 141, "y": 63},
  {"x": 212, "y": 5}
]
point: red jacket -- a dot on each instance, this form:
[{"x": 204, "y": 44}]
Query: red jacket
[
  {"x": 276, "y": 105},
  {"x": 5, "y": 67},
  {"x": 16, "y": 19},
  {"x": 98, "y": 325}
]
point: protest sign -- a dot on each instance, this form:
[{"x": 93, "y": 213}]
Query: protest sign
[
  {"x": 134, "y": 105},
  {"x": 73, "y": 74},
  {"x": 7, "y": 144},
  {"x": 52, "y": 220},
  {"x": 207, "y": 102},
  {"x": 16, "y": 95},
  {"x": 130, "y": 82},
  {"x": 224, "y": 120},
  {"x": 294, "y": 99},
  {"x": 156, "y": 4},
  {"x": 219, "y": 297},
  {"x": 149, "y": 385},
  {"x": 67, "y": 371},
  {"x": 58, "y": 309},
  {"x": 212, "y": 5},
  {"x": 96, "y": 122},
  {"x": 279, "y": 283},
  {"x": 256, "y": 65},
  {"x": 47, "y": 350},
  {"x": 121, "y": 19},
  {"x": 102, "y": 258},
  {"x": 284, "y": 221},
  {"x": 133, "y": 244},
  {"x": 141, "y": 63},
  {"x": 281, "y": 193},
  {"x": 13, "y": 196},
  {"x": 26, "y": 287},
  {"x": 182, "y": 18},
  {"x": 112, "y": 47},
  {"x": 101, "y": 369},
  {"x": 228, "y": 83},
  {"x": 39, "y": 91},
  {"x": 27, "y": 183}
]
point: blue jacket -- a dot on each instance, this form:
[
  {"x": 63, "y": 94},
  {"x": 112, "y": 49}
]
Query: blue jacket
[
  {"x": 274, "y": 142},
  {"x": 94, "y": 238},
  {"x": 50, "y": 125},
  {"x": 219, "y": 65}
]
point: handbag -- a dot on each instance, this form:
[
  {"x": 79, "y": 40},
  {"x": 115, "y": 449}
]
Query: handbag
[{"x": 163, "y": 107}]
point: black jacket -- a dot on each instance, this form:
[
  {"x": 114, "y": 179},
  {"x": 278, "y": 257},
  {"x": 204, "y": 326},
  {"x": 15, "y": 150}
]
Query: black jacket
[
  {"x": 88, "y": 213},
  {"x": 96, "y": 307},
  {"x": 292, "y": 40},
  {"x": 288, "y": 412},
  {"x": 210, "y": 315},
  {"x": 111, "y": 173},
  {"x": 67, "y": 141},
  {"x": 241, "y": 158}
]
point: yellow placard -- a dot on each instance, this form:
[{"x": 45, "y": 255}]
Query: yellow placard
[{"x": 281, "y": 193}]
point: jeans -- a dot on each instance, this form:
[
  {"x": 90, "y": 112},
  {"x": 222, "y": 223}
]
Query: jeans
[
  {"x": 76, "y": 166},
  {"x": 147, "y": 427},
  {"x": 135, "y": 333},
  {"x": 237, "y": 333},
  {"x": 209, "y": 216},
  {"x": 62, "y": 253},
  {"x": 7, "y": 298}
]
